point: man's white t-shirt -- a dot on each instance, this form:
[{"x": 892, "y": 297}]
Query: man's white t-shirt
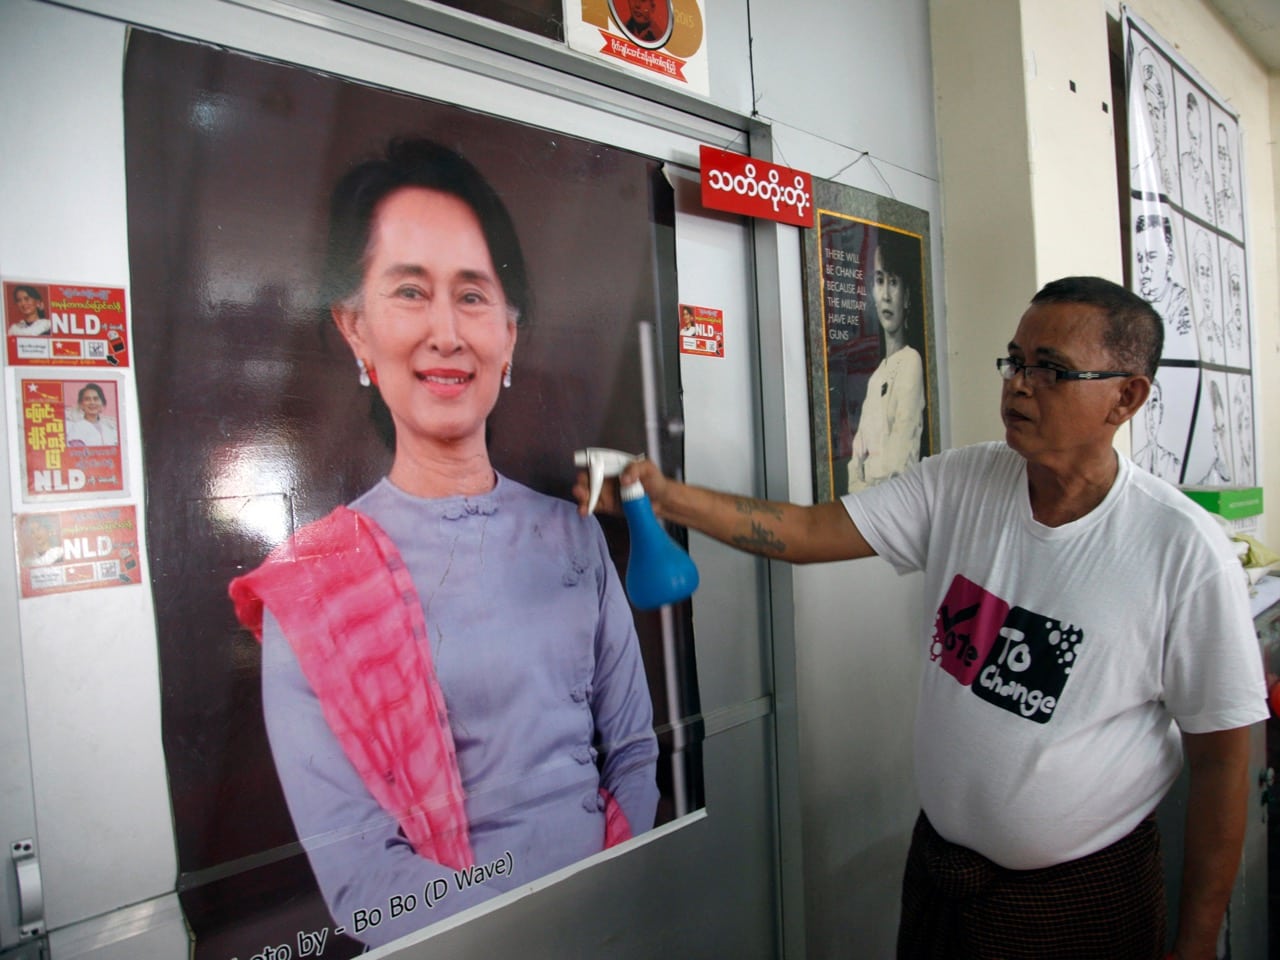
[{"x": 1061, "y": 657}]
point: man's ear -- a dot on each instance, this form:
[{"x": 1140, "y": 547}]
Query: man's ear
[{"x": 1133, "y": 394}]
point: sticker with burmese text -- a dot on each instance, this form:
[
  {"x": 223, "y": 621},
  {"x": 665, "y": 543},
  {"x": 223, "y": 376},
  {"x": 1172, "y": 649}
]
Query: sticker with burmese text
[
  {"x": 701, "y": 331},
  {"x": 660, "y": 40},
  {"x": 71, "y": 438},
  {"x": 78, "y": 550},
  {"x": 65, "y": 324}
]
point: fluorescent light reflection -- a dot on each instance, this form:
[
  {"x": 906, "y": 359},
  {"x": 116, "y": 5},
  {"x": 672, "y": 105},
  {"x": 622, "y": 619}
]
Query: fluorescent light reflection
[{"x": 250, "y": 490}]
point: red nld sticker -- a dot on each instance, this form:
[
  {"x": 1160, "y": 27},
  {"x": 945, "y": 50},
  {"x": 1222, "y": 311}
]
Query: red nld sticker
[
  {"x": 755, "y": 188},
  {"x": 65, "y": 324}
]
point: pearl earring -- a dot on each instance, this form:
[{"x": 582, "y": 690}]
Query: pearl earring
[
  {"x": 506, "y": 374},
  {"x": 364, "y": 372}
]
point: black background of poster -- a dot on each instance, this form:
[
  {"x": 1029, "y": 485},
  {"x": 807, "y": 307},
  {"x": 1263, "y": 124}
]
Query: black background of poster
[{"x": 250, "y": 405}]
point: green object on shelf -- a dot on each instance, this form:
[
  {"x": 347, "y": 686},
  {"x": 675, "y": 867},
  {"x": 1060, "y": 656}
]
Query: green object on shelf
[{"x": 1230, "y": 503}]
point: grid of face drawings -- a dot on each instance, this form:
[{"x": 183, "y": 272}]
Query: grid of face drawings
[{"x": 1187, "y": 242}]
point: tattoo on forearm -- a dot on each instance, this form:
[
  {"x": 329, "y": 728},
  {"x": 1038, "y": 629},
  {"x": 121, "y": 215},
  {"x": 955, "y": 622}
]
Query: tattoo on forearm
[
  {"x": 761, "y": 540},
  {"x": 750, "y": 506}
]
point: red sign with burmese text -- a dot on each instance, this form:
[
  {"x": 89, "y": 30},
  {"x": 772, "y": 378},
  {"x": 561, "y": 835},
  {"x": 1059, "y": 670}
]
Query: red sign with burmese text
[{"x": 755, "y": 188}]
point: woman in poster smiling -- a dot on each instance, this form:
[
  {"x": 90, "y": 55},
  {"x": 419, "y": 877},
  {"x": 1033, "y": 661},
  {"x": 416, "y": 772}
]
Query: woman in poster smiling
[
  {"x": 452, "y": 682},
  {"x": 33, "y": 320},
  {"x": 92, "y": 427},
  {"x": 887, "y": 441}
]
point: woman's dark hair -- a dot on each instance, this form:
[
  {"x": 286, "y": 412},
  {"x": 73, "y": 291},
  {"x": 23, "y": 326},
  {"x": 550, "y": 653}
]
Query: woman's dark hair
[
  {"x": 35, "y": 295},
  {"x": 1134, "y": 334},
  {"x": 901, "y": 256},
  {"x": 418, "y": 163},
  {"x": 102, "y": 397}
]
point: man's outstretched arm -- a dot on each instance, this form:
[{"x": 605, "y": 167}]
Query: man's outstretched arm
[{"x": 767, "y": 528}]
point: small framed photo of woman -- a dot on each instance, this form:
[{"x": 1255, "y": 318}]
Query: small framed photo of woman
[{"x": 872, "y": 372}]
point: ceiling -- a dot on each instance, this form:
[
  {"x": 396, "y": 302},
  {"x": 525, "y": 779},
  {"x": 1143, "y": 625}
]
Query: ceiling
[{"x": 1258, "y": 24}]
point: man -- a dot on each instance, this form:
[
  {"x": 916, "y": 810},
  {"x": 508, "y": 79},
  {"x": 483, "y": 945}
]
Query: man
[
  {"x": 1226, "y": 203},
  {"x": 1210, "y": 331},
  {"x": 1153, "y": 254},
  {"x": 1197, "y": 180},
  {"x": 640, "y": 26},
  {"x": 44, "y": 544},
  {"x": 1091, "y": 625},
  {"x": 1235, "y": 299},
  {"x": 1243, "y": 404},
  {"x": 1218, "y": 473},
  {"x": 1153, "y": 99},
  {"x": 1153, "y": 455}
]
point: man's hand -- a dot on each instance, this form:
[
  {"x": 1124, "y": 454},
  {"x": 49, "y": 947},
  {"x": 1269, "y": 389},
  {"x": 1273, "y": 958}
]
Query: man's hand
[{"x": 610, "y": 502}]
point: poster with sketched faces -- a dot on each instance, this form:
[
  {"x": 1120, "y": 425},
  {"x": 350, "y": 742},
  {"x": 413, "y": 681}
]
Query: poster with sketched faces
[
  {"x": 1192, "y": 113},
  {"x": 1151, "y": 157},
  {"x": 1159, "y": 273},
  {"x": 1236, "y": 326},
  {"x": 1225, "y": 144},
  {"x": 1189, "y": 260},
  {"x": 1240, "y": 394},
  {"x": 1161, "y": 427},
  {"x": 1202, "y": 260},
  {"x": 1210, "y": 459}
]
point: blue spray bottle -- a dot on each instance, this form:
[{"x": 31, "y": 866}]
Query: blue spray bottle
[{"x": 659, "y": 572}]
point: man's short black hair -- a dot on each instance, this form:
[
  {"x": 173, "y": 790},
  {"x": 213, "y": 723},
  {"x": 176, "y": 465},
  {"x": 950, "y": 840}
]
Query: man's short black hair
[{"x": 1134, "y": 334}]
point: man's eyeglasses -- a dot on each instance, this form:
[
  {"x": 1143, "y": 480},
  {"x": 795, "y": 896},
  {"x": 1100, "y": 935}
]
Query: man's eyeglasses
[{"x": 1047, "y": 374}]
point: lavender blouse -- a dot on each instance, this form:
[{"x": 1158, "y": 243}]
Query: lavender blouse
[{"x": 535, "y": 649}]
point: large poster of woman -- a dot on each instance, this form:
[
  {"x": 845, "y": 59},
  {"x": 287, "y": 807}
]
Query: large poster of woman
[{"x": 400, "y": 675}]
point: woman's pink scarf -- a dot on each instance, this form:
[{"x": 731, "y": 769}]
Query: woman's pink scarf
[{"x": 341, "y": 578}]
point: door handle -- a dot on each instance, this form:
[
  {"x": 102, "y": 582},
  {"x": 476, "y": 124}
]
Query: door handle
[{"x": 30, "y": 889}]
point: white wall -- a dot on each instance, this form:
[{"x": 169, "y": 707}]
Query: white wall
[
  {"x": 988, "y": 224},
  {"x": 1071, "y": 143}
]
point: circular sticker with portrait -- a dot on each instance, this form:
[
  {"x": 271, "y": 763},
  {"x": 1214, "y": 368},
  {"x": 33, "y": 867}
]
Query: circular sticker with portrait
[{"x": 646, "y": 23}]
